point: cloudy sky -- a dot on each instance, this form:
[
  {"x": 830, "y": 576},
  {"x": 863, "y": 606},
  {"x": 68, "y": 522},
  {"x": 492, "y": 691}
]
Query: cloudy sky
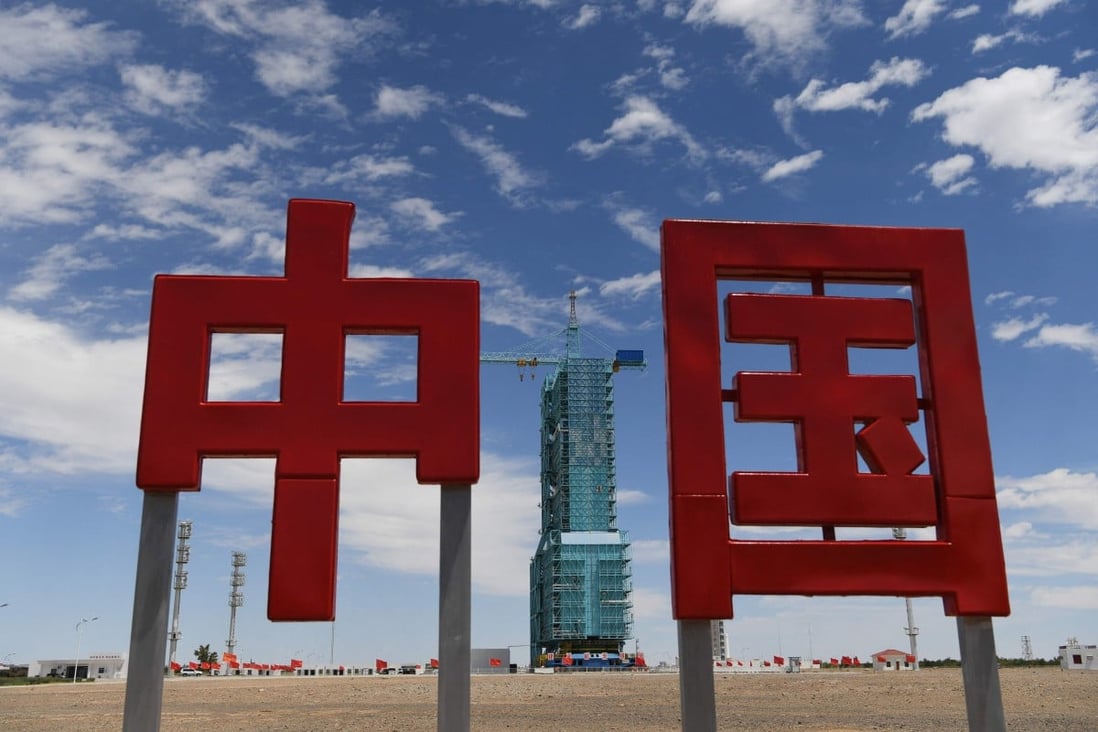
[{"x": 534, "y": 146}]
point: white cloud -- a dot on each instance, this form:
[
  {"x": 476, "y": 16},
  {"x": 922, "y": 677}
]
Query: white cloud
[
  {"x": 1033, "y": 8},
  {"x": 785, "y": 168},
  {"x": 370, "y": 270},
  {"x": 1009, "y": 330},
  {"x": 642, "y": 124},
  {"x": 392, "y": 103},
  {"x": 651, "y": 604},
  {"x": 1059, "y": 496},
  {"x": 987, "y": 41},
  {"x": 914, "y": 17},
  {"x": 671, "y": 76},
  {"x": 153, "y": 89},
  {"x": 505, "y": 301},
  {"x": 503, "y": 109},
  {"x": 365, "y": 168},
  {"x": 951, "y": 176},
  {"x": 36, "y": 42},
  {"x": 1082, "y": 598},
  {"x": 244, "y": 367},
  {"x": 651, "y": 551},
  {"x": 300, "y": 45},
  {"x": 10, "y": 505},
  {"x": 634, "y": 287},
  {"x": 965, "y": 12},
  {"x": 1082, "y": 54},
  {"x": 1081, "y": 337},
  {"x": 72, "y": 403},
  {"x": 638, "y": 224},
  {"x": 512, "y": 181},
  {"x": 1019, "y": 530},
  {"x": 996, "y": 296},
  {"x": 421, "y": 213},
  {"x": 587, "y": 15},
  {"x": 1029, "y": 119},
  {"x": 856, "y": 94},
  {"x": 783, "y": 30},
  {"x": 52, "y": 269}
]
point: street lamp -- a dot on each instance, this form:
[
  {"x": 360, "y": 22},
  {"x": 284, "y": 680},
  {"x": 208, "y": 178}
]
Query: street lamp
[{"x": 79, "y": 628}]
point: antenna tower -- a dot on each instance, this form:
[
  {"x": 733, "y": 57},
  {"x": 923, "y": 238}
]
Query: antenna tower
[
  {"x": 1027, "y": 649},
  {"x": 236, "y": 597}
]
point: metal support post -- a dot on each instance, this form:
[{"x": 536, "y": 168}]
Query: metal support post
[
  {"x": 980, "y": 670},
  {"x": 454, "y": 607},
  {"x": 696, "y": 695},
  {"x": 149, "y": 628}
]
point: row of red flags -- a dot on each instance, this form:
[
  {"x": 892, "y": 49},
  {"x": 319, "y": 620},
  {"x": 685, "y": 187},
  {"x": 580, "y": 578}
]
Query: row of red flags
[
  {"x": 780, "y": 661},
  {"x": 229, "y": 660}
]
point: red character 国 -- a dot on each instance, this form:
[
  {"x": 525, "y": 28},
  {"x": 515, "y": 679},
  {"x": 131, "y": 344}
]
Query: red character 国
[{"x": 836, "y": 415}]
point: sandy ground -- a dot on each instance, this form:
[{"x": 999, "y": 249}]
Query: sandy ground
[{"x": 836, "y": 701}]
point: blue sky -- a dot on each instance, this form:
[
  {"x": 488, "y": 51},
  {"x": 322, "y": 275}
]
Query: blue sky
[{"x": 534, "y": 146}]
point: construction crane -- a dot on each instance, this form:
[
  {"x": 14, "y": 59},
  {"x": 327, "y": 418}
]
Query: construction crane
[{"x": 580, "y": 575}]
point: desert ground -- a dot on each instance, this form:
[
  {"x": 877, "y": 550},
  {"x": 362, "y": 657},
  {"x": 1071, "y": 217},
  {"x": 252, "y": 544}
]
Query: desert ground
[{"x": 836, "y": 701}]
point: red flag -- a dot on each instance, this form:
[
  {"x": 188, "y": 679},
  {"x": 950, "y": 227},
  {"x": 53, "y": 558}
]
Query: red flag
[
  {"x": 766, "y": 663},
  {"x": 779, "y": 661},
  {"x": 909, "y": 658},
  {"x": 834, "y": 662},
  {"x": 380, "y": 665},
  {"x": 857, "y": 662},
  {"x": 434, "y": 663},
  {"x": 846, "y": 661},
  {"x": 739, "y": 663},
  {"x": 194, "y": 665},
  {"x": 566, "y": 659},
  {"x": 296, "y": 663},
  {"x": 494, "y": 662},
  {"x": 175, "y": 666},
  {"x": 639, "y": 662}
]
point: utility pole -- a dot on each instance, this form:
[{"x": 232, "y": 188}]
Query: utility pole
[
  {"x": 911, "y": 631},
  {"x": 182, "y": 556}
]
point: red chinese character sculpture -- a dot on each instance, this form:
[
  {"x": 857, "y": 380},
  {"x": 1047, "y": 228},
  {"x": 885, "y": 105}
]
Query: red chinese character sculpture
[
  {"x": 964, "y": 565},
  {"x": 315, "y": 306}
]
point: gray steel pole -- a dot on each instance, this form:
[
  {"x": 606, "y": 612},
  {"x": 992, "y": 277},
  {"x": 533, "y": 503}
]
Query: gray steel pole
[
  {"x": 697, "y": 698},
  {"x": 980, "y": 670},
  {"x": 454, "y": 607},
  {"x": 149, "y": 628}
]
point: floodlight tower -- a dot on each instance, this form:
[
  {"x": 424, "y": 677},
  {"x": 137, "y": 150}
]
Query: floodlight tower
[
  {"x": 580, "y": 575},
  {"x": 1027, "y": 648},
  {"x": 911, "y": 630},
  {"x": 236, "y": 597},
  {"x": 182, "y": 556}
]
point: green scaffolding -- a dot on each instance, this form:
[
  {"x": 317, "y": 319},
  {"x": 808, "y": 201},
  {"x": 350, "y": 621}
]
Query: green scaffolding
[{"x": 580, "y": 576}]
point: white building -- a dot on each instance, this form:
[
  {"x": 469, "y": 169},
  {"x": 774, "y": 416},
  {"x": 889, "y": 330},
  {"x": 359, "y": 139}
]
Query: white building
[
  {"x": 893, "y": 660},
  {"x": 98, "y": 666},
  {"x": 1077, "y": 657}
]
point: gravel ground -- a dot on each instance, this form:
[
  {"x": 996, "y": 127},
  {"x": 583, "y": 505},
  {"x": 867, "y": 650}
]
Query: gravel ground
[{"x": 832, "y": 701}]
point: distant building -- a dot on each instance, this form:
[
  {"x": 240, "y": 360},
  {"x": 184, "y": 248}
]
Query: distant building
[
  {"x": 1077, "y": 657},
  {"x": 893, "y": 660},
  {"x": 101, "y": 666},
  {"x": 490, "y": 660},
  {"x": 718, "y": 639}
]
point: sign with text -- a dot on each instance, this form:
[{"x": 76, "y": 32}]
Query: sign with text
[
  {"x": 837, "y": 417},
  {"x": 315, "y": 306}
]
